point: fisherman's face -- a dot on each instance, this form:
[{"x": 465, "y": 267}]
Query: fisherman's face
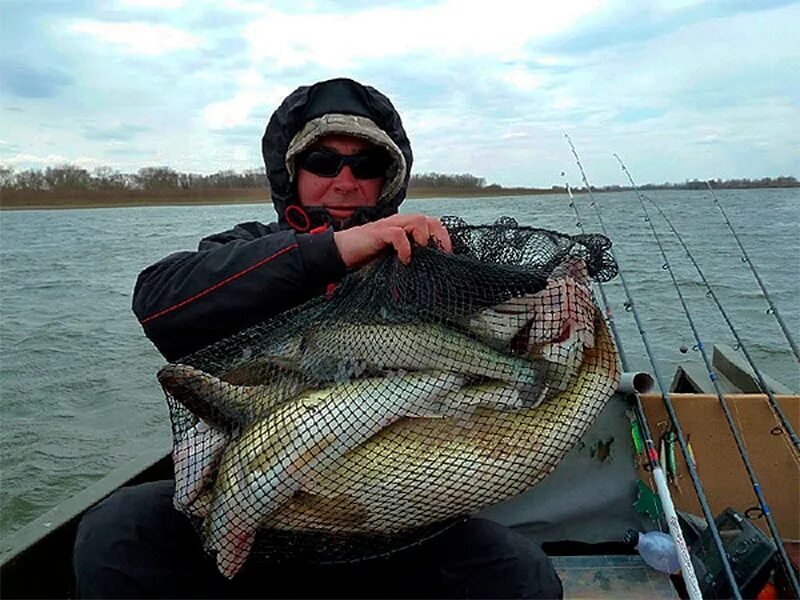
[{"x": 343, "y": 193}]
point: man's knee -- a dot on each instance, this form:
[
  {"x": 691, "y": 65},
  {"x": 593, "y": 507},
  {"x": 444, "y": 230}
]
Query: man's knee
[
  {"x": 487, "y": 559},
  {"x": 120, "y": 516},
  {"x": 112, "y": 532}
]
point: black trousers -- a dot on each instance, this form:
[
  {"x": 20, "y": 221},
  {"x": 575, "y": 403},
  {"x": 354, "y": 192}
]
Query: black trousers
[{"x": 134, "y": 544}]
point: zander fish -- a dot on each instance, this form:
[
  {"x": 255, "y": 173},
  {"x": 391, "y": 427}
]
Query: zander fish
[
  {"x": 224, "y": 405},
  {"x": 356, "y": 349},
  {"x": 420, "y": 471},
  {"x": 221, "y": 408},
  {"x": 552, "y": 327},
  {"x": 275, "y": 457}
]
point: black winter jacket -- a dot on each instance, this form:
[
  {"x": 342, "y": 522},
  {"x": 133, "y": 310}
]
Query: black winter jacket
[{"x": 252, "y": 272}]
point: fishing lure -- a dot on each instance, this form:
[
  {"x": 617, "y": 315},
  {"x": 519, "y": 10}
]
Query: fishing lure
[{"x": 636, "y": 435}]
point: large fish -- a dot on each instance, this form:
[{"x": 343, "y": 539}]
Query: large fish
[
  {"x": 226, "y": 406},
  {"x": 342, "y": 353},
  {"x": 356, "y": 349},
  {"x": 275, "y": 457},
  {"x": 552, "y": 327},
  {"x": 419, "y": 471}
]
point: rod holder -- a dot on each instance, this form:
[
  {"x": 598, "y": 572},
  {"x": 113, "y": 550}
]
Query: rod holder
[{"x": 635, "y": 381}]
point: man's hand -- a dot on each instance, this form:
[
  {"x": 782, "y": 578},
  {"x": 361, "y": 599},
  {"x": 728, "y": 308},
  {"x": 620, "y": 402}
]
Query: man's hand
[{"x": 358, "y": 245}]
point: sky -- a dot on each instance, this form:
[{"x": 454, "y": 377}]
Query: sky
[{"x": 680, "y": 89}]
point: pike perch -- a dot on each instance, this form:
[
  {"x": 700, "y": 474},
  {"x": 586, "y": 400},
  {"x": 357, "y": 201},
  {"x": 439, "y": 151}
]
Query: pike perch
[
  {"x": 419, "y": 471},
  {"x": 276, "y": 456},
  {"x": 355, "y": 349},
  {"x": 552, "y": 327}
]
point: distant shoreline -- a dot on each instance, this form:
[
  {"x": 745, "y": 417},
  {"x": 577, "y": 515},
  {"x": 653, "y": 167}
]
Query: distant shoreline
[
  {"x": 235, "y": 196},
  {"x": 261, "y": 196}
]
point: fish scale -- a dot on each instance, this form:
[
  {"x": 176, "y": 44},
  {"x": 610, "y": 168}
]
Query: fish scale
[
  {"x": 273, "y": 457},
  {"x": 433, "y": 450}
]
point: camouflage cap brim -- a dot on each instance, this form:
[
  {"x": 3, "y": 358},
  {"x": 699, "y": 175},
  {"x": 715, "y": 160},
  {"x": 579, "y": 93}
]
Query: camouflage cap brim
[{"x": 356, "y": 126}]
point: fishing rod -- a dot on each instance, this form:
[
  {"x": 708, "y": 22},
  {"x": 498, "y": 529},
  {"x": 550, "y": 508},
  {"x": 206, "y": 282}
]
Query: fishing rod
[
  {"x": 785, "y": 562},
  {"x": 606, "y": 304},
  {"x": 745, "y": 258},
  {"x": 674, "y": 525},
  {"x": 662, "y": 488},
  {"x": 784, "y": 421},
  {"x": 651, "y": 454}
]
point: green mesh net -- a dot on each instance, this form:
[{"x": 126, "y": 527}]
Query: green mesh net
[{"x": 411, "y": 396}]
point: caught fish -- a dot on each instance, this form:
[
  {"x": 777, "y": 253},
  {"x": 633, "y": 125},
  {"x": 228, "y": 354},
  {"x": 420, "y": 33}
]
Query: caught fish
[
  {"x": 419, "y": 471},
  {"x": 553, "y": 327},
  {"x": 275, "y": 457},
  {"x": 196, "y": 458},
  {"x": 224, "y": 405},
  {"x": 561, "y": 356},
  {"x": 358, "y": 349}
]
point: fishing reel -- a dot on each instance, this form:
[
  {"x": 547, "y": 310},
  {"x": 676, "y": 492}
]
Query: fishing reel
[{"x": 752, "y": 555}]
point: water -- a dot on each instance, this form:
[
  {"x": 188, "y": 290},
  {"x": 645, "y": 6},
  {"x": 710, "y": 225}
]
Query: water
[{"x": 77, "y": 376}]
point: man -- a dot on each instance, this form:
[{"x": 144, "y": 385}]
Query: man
[{"x": 338, "y": 162}]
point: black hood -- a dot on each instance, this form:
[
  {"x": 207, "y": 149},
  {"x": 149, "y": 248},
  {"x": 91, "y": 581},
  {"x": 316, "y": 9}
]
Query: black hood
[{"x": 343, "y": 96}]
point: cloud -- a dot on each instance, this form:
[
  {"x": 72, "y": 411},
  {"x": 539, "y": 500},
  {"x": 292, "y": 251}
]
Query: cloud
[
  {"x": 28, "y": 81},
  {"x": 48, "y": 160},
  {"x": 682, "y": 88},
  {"x": 621, "y": 23},
  {"x": 449, "y": 29},
  {"x": 120, "y": 133},
  {"x": 144, "y": 39},
  {"x": 254, "y": 93},
  {"x": 159, "y": 5}
]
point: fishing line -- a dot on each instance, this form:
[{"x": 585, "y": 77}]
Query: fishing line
[
  {"x": 606, "y": 304},
  {"x": 650, "y": 452},
  {"x": 687, "y": 568},
  {"x": 745, "y": 258},
  {"x": 759, "y": 376},
  {"x": 713, "y": 376}
]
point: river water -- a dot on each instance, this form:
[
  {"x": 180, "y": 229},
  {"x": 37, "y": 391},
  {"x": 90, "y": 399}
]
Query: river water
[{"x": 78, "y": 394}]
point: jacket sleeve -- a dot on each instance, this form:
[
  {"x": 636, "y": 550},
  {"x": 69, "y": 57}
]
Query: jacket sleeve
[{"x": 235, "y": 279}]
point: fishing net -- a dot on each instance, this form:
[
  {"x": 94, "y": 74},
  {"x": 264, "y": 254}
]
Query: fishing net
[{"x": 409, "y": 397}]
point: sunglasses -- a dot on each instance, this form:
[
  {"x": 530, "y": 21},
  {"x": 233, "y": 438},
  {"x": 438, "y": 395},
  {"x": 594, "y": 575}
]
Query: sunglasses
[{"x": 369, "y": 164}]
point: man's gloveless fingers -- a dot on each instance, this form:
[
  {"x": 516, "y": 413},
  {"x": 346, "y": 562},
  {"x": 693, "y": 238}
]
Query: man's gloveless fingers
[
  {"x": 439, "y": 233},
  {"x": 397, "y": 237},
  {"x": 420, "y": 231}
]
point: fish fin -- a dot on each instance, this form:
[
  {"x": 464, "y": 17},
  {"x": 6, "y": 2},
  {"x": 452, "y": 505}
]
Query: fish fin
[
  {"x": 233, "y": 545},
  {"x": 234, "y": 553},
  {"x": 196, "y": 459}
]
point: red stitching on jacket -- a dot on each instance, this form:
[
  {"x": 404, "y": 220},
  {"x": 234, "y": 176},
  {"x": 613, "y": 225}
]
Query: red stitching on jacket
[{"x": 218, "y": 285}]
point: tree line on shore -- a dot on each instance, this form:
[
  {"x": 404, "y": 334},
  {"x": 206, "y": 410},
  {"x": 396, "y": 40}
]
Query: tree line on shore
[
  {"x": 71, "y": 177},
  {"x": 71, "y": 181}
]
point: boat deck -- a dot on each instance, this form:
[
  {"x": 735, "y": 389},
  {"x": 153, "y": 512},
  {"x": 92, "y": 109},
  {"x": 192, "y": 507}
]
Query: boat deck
[{"x": 611, "y": 576}]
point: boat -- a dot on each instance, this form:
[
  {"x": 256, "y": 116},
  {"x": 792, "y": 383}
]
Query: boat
[{"x": 585, "y": 544}]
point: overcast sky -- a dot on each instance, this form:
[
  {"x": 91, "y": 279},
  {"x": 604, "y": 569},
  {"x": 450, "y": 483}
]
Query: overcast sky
[{"x": 680, "y": 89}]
